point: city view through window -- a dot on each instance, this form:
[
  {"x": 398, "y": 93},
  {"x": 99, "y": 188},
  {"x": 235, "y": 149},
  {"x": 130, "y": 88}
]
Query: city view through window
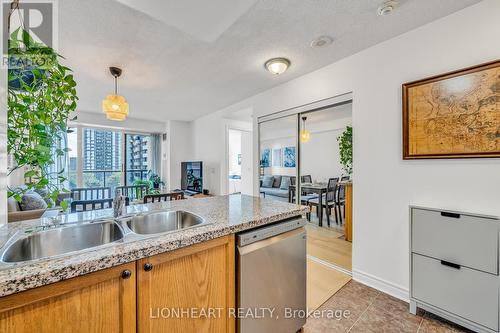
[{"x": 108, "y": 158}]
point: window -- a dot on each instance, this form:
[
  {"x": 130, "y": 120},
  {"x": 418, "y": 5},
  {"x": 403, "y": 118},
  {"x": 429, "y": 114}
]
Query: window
[
  {"x": 73, "y": 158},
  {"x": 102, "y": 158},
  {"x": 137, "y": 150}
]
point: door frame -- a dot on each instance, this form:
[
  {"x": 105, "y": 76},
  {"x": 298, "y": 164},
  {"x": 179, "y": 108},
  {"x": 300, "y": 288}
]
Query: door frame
[{"x": 225, "y": 181}]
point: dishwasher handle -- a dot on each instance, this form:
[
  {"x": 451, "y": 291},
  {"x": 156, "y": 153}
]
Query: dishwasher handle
[{"x": 243, "y": 250}]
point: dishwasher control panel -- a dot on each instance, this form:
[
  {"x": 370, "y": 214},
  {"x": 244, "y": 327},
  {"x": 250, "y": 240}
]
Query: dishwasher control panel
[{"x": 252, "y": 236}]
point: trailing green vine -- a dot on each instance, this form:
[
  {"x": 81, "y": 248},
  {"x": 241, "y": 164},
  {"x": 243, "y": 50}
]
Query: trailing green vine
[
  {"x": 345, "y": 148},
  {"x": 41, "y": 97}
]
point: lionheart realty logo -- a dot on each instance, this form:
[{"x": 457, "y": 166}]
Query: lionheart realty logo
[{"x": 28, "y": 25}]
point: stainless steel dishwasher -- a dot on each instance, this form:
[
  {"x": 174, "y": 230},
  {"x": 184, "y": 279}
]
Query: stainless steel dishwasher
[{"x": 271, "y": 276}]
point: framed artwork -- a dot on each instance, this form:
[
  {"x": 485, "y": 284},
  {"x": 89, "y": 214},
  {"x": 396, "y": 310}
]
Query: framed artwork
[
  {"x": 289, "y": 157},
  {"x": 277, "y": 157},
  {"x": 265, "y": 158},
  {"x": 239, "y": 159},
  {"x": 454, "y": 115}
]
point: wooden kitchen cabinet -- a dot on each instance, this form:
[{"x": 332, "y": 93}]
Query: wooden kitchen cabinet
[
  {"x": 196, "y": 278},
  {"x": 104, "y": 301}
]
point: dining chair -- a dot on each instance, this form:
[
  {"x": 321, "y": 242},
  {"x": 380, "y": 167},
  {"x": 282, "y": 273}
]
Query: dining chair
[
  {"x": 329, "y": 200},
  {"x": 306, "y": 179},
  {"x": 149, "y": 198},
  {"x": 340, "y": 200},
  {"x": 345, "y": 178},
  {"x": 96, "y": 204}
]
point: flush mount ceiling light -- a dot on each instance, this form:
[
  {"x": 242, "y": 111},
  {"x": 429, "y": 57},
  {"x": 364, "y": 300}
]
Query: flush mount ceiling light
[
  {"x": 115, "y": 106},
  {"x": 305, "y": 135},
  {"x": 321, "y": 41},
  {"x": 387, "y": 7},
  {"x": 277, "y": 66}
]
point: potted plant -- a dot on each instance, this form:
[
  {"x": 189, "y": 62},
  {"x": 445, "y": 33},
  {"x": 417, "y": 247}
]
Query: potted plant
[
  {"x": 41, "y": 98},
  {"x": 345, "y": 149},
  {"x": 155, "y": 180}
]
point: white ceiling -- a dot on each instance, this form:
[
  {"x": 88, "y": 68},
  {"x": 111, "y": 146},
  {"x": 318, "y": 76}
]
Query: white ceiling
[{"x": 186, "y": 60}]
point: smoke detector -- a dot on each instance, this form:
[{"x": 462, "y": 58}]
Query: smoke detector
[
  {"x": 321, "y": 41},
  {"x": 387, "y": 7}
]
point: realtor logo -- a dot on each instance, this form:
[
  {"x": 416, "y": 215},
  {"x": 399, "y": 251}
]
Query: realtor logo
[{"x": 36, "y": 17}]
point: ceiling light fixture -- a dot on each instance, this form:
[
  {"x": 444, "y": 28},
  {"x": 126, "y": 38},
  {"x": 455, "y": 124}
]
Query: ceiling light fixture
[
  {"x": 277, "y": 66},
  {"x": 115, "y": 106},
  {"x": 305, "y": 135},
  {"x": 321, "y": 41},
  {"x": 387, "y": 7}
]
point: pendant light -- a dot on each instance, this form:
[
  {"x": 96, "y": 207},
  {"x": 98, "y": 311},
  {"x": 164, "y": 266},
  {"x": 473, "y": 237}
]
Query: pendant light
[
  {"x": 115, "y": 106},
  {"x": 305, "y": 135}
]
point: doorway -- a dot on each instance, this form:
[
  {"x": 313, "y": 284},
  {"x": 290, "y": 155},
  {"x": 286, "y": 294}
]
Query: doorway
[
  {"x": 239, "y": 162},
  {"x": 299, "y": 162}
]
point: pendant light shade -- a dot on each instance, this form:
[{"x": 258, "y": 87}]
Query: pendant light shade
[
  {"x": 115, "y": 106},
  {"x": 305, "y": 135}
]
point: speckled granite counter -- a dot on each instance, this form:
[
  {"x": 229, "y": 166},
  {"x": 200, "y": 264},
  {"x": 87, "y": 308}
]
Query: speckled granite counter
[{"x": 224, "y": 215}]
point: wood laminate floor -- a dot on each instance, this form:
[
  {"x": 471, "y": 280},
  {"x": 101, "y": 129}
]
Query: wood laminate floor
[
  {"x": 368, "y": 310},
  {"x": 328, "y": 244},
  {"x": 322, "y": 283}
]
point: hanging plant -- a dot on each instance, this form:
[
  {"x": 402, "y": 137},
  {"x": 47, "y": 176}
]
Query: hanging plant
[
  {"x": 345, "y": 148},
  {"x": 41, "y": 97}
]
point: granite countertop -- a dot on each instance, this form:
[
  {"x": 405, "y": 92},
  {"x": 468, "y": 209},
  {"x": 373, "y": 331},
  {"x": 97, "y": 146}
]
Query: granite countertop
[{"x": 224, "y": 215}]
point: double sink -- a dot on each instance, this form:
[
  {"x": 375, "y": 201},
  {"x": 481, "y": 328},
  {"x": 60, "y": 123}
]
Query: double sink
[{"x": 70, "y": 238}]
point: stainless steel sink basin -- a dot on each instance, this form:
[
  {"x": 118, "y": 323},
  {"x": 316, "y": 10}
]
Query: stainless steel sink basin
[
  {"x": 62, "y": 240},
  {"x": 160, "y": 222}
]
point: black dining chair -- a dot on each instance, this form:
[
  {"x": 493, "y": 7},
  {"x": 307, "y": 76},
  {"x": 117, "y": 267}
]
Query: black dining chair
[
  {"x": 306, "y": 179},
  {"x": 149, "y": 198},
  {"x": 329, "y": 200},
  {"x": 97, "y": 204},
  {"x": 345, "y": 178},
  {"x": 340, "y": 200}
]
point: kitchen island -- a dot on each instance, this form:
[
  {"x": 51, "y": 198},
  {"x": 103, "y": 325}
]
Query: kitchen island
[{"x": 123, "y": 286}]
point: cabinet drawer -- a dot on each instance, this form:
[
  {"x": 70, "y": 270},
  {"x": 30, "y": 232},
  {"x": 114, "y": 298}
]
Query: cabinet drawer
[
  {"x": 465, "y": 292},
  {"x": 463, "y": 239}
]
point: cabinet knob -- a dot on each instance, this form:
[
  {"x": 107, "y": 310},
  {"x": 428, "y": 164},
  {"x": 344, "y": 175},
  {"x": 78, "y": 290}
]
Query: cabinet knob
[
  {"x": 126, "y": 274},
  {"x": 148, "y": 267}
]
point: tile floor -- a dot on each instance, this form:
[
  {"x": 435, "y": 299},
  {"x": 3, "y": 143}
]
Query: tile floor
[{"x": 373, "y": 311}]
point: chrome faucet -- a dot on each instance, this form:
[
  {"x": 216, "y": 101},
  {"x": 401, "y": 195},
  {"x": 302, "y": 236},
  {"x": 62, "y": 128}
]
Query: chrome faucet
[{"x": 118, "y": 205}]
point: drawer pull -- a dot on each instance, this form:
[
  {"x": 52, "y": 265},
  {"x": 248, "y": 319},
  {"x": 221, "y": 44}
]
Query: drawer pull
[
  {"x": 450, "y": 264},
  {"x": 452, "y": 215}
]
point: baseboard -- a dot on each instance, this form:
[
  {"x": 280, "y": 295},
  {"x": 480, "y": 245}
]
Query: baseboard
[
  {"x": 330, "y": 265},
  {"x": 382, "y": 285}
]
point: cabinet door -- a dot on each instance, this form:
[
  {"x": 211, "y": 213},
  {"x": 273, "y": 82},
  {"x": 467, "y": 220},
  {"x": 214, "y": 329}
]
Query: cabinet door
[
  {"x": 103, "y": 301},
  {"x": 176, "y": 290}
]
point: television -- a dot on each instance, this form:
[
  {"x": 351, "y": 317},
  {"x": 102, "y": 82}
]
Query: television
[{"x": 192, "y": 176}]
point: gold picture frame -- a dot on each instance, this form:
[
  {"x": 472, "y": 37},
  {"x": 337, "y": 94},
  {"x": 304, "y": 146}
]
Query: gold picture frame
[{"x": 453, "y": 115}]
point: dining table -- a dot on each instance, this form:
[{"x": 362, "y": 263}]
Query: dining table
[{"x": 316, "y": 188}]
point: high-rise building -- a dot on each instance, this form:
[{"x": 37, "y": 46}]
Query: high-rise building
[
  {"x": 101, "y": 150},
  {"x": 138, "y": 156}
]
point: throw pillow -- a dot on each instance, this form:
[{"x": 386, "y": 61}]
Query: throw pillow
[
  {"x": 277, "y": 181},
  {"x": 32, "y": 201},
  {"x": 267, "y": 181},
  {"x": 285, "y": 183}
]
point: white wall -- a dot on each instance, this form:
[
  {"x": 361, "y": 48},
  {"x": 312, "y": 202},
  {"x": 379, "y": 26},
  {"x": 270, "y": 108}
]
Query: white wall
[
  {"x": 209, "y": 138},
  {"x": 180, "y": 149},
  {"x": 385, "y": 184}
]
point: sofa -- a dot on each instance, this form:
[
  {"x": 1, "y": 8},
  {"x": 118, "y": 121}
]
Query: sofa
[
  {"x": 32, "y": 206},
  {"x": 275, "y": 186}
]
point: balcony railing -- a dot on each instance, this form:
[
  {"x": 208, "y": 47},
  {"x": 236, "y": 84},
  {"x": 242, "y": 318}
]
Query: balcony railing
[{"x": 112, "y": 178}]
